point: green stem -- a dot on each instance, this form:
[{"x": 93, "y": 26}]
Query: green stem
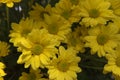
[{"x": 7, "y": 14}]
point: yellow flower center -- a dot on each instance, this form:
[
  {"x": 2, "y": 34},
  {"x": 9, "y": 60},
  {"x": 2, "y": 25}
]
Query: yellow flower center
[
  {"x": 102, "y": 39},
  {"x": 94, "y": 13},
  {"x": 63, "y": 66},
  {"x": 118, "y": 61},
  {"x": 53, "y": 29},
  {"x": 66, "y": 14},
  {"x": 37, "y": 49}
]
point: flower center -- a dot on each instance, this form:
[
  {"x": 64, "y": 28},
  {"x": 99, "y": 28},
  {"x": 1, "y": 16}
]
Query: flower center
[
  {"x": 102, "y": 39},
  {"x": 37, "y": 49},
  {"x": 53, "y": 29},
  {"x": 94, "y": 13},
  {"x": 63, "y": 66},
  {"x": 118, "y": 61},
  {"x": 66, "y": 14}
]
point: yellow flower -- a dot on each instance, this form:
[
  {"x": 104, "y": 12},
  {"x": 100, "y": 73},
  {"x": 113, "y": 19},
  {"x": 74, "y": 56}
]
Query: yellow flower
[
  {"x": 113, "y": 64},
  {"x": 9, "y": 3},
  {"x": 20, "y": 31},
  {"x": 37, "y": 49},
  {"x": 32, "y": 75},
  {"x": 38, "y": 12},
  {"x": 103, "y": 39},
  {"x": 75, "y": 39},
  {"x": 4, "y": 49},
  {"x": 65, "y": 66},
  {"x": 57, "y": 26},
  {"x": 95, "y": 12},
  {"x": 65, "y": 9},
  {"x": 115, "y": 6},
  {"x": 2, "y": 73}
]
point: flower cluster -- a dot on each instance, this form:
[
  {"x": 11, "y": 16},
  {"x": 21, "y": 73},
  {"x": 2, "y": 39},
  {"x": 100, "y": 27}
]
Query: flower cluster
[
  {"x": 39, "y": 37},
  {"x": 4, "y": 50}
]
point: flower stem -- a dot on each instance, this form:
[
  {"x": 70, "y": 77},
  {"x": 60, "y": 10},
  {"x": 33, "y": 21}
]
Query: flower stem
[{"x": 7, "y": 14}]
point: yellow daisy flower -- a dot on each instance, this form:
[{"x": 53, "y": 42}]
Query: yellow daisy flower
[
  {"x": 9, "y": 3},
  {"x": 65, "y": 66},
  {"x": 4, "y": 49},
  {"x": 37, "y": 49},
  {"x": 113, "y": 64},
  {"x": 65, "y": 9},
  {"x": 115, "y": 6},
  {"x": 32, "y": 75},
  {"x": 95, "y": 12},
  {"x": 75, "y": 39},
  {"x": 103, "y": 39},
  {"x": 21, "y": 30},
  {"x": 38, "y": 12},
  {"x": 2, "y": 73},
  {"x": 57, "y": 26}
]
